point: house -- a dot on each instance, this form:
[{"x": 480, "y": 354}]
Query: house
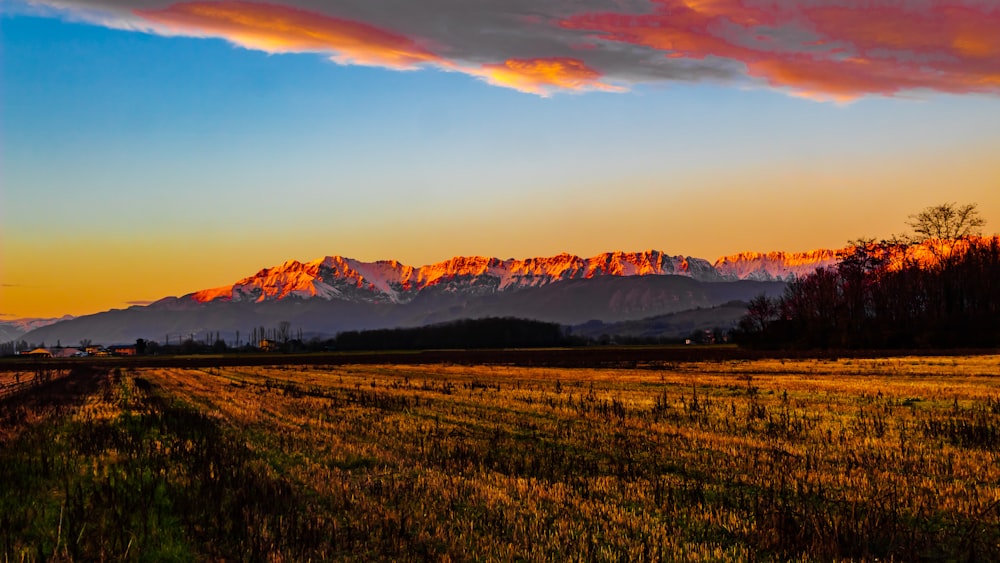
[
  {"x": 38, "y": 353},
  {"x": 66, "y": 353},
  {"x": 126, "y": 350}
]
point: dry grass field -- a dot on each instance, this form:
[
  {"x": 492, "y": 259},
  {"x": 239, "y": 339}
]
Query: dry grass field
[{"x": 768, "y": 460}]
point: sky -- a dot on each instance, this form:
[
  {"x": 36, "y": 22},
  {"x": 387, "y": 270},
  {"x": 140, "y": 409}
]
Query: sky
[{"x": 156, "y": 148}]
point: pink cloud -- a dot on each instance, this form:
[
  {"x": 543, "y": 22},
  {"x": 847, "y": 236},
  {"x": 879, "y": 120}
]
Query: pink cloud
[{"x": 822, "y": 49}]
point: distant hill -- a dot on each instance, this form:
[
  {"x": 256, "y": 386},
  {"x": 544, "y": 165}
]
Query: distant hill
[{"x": 672, "y": 326}]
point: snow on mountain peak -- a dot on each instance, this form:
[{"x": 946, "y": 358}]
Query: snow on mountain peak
[
  {"x": 783, "y": 266},
  {"x": 337, "y": 277}
]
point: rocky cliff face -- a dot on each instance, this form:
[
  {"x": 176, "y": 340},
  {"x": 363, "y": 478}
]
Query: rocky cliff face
[
  {"x": 389, "y": 281},
  {"x": 775, "y": 266}
]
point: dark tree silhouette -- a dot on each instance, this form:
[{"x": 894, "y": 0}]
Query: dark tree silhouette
[
  {"x": 761, "y": 311},
  {"x": 877, "y": 297},
  {"x": 284, "y": 331},
  {"x": 462, "y": 334},
  {"x": 947, "y": 221}
]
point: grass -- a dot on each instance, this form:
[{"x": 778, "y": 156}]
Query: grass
[{"x": 770, "y": 460}]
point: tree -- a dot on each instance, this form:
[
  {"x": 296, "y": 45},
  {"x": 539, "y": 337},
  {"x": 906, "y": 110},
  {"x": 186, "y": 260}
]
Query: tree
[
  {"x": 947, "y": 221},
  {"x": 760, "y": 312}
]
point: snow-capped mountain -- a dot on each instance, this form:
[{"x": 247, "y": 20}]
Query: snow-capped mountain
[
  {"x": 772, "y": 266},
  {"x": 388, "y": 281},
  {"x": 334, "y": 293}
]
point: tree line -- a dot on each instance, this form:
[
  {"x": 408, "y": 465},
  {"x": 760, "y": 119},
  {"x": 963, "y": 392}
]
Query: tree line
[
  {"x": 462, "y": 334},
  {"x": 906, "y": 292}
]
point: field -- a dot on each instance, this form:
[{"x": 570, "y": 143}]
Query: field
[{"x": 768, "y": 459}]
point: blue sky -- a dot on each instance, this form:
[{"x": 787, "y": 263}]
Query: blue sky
[{"x": 150, "y": 165}]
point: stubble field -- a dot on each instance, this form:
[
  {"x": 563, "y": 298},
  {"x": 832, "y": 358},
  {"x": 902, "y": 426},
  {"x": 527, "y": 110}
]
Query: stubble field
[{"x": 851, "y": 459}]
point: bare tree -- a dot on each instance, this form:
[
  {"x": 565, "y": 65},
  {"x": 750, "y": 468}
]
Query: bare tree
[
  {"x": 284, "y": 331},
  {"x": 760, "y": 312},
  {"x": 947, "y": 221}
]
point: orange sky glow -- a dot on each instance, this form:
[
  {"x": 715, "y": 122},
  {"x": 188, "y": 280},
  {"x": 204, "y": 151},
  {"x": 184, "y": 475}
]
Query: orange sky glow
[
  {"x": 537, "y": 75},
  {"x": 756, "y": 213}
]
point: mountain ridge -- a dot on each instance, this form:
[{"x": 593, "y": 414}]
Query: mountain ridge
[
  {"x": 390, "y": 281},
  {"x": 335, "y": 293}
]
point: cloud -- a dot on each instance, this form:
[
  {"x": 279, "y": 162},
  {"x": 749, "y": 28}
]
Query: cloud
[
  {"x": 824, "y": 49},
  {"x": 542, "y": 75},
  {"x": 282, "y": 29}
]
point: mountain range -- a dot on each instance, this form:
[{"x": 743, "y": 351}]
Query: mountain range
[
  {"x": 334, "y": 293},
  {"x": 15, "y": 328}
]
